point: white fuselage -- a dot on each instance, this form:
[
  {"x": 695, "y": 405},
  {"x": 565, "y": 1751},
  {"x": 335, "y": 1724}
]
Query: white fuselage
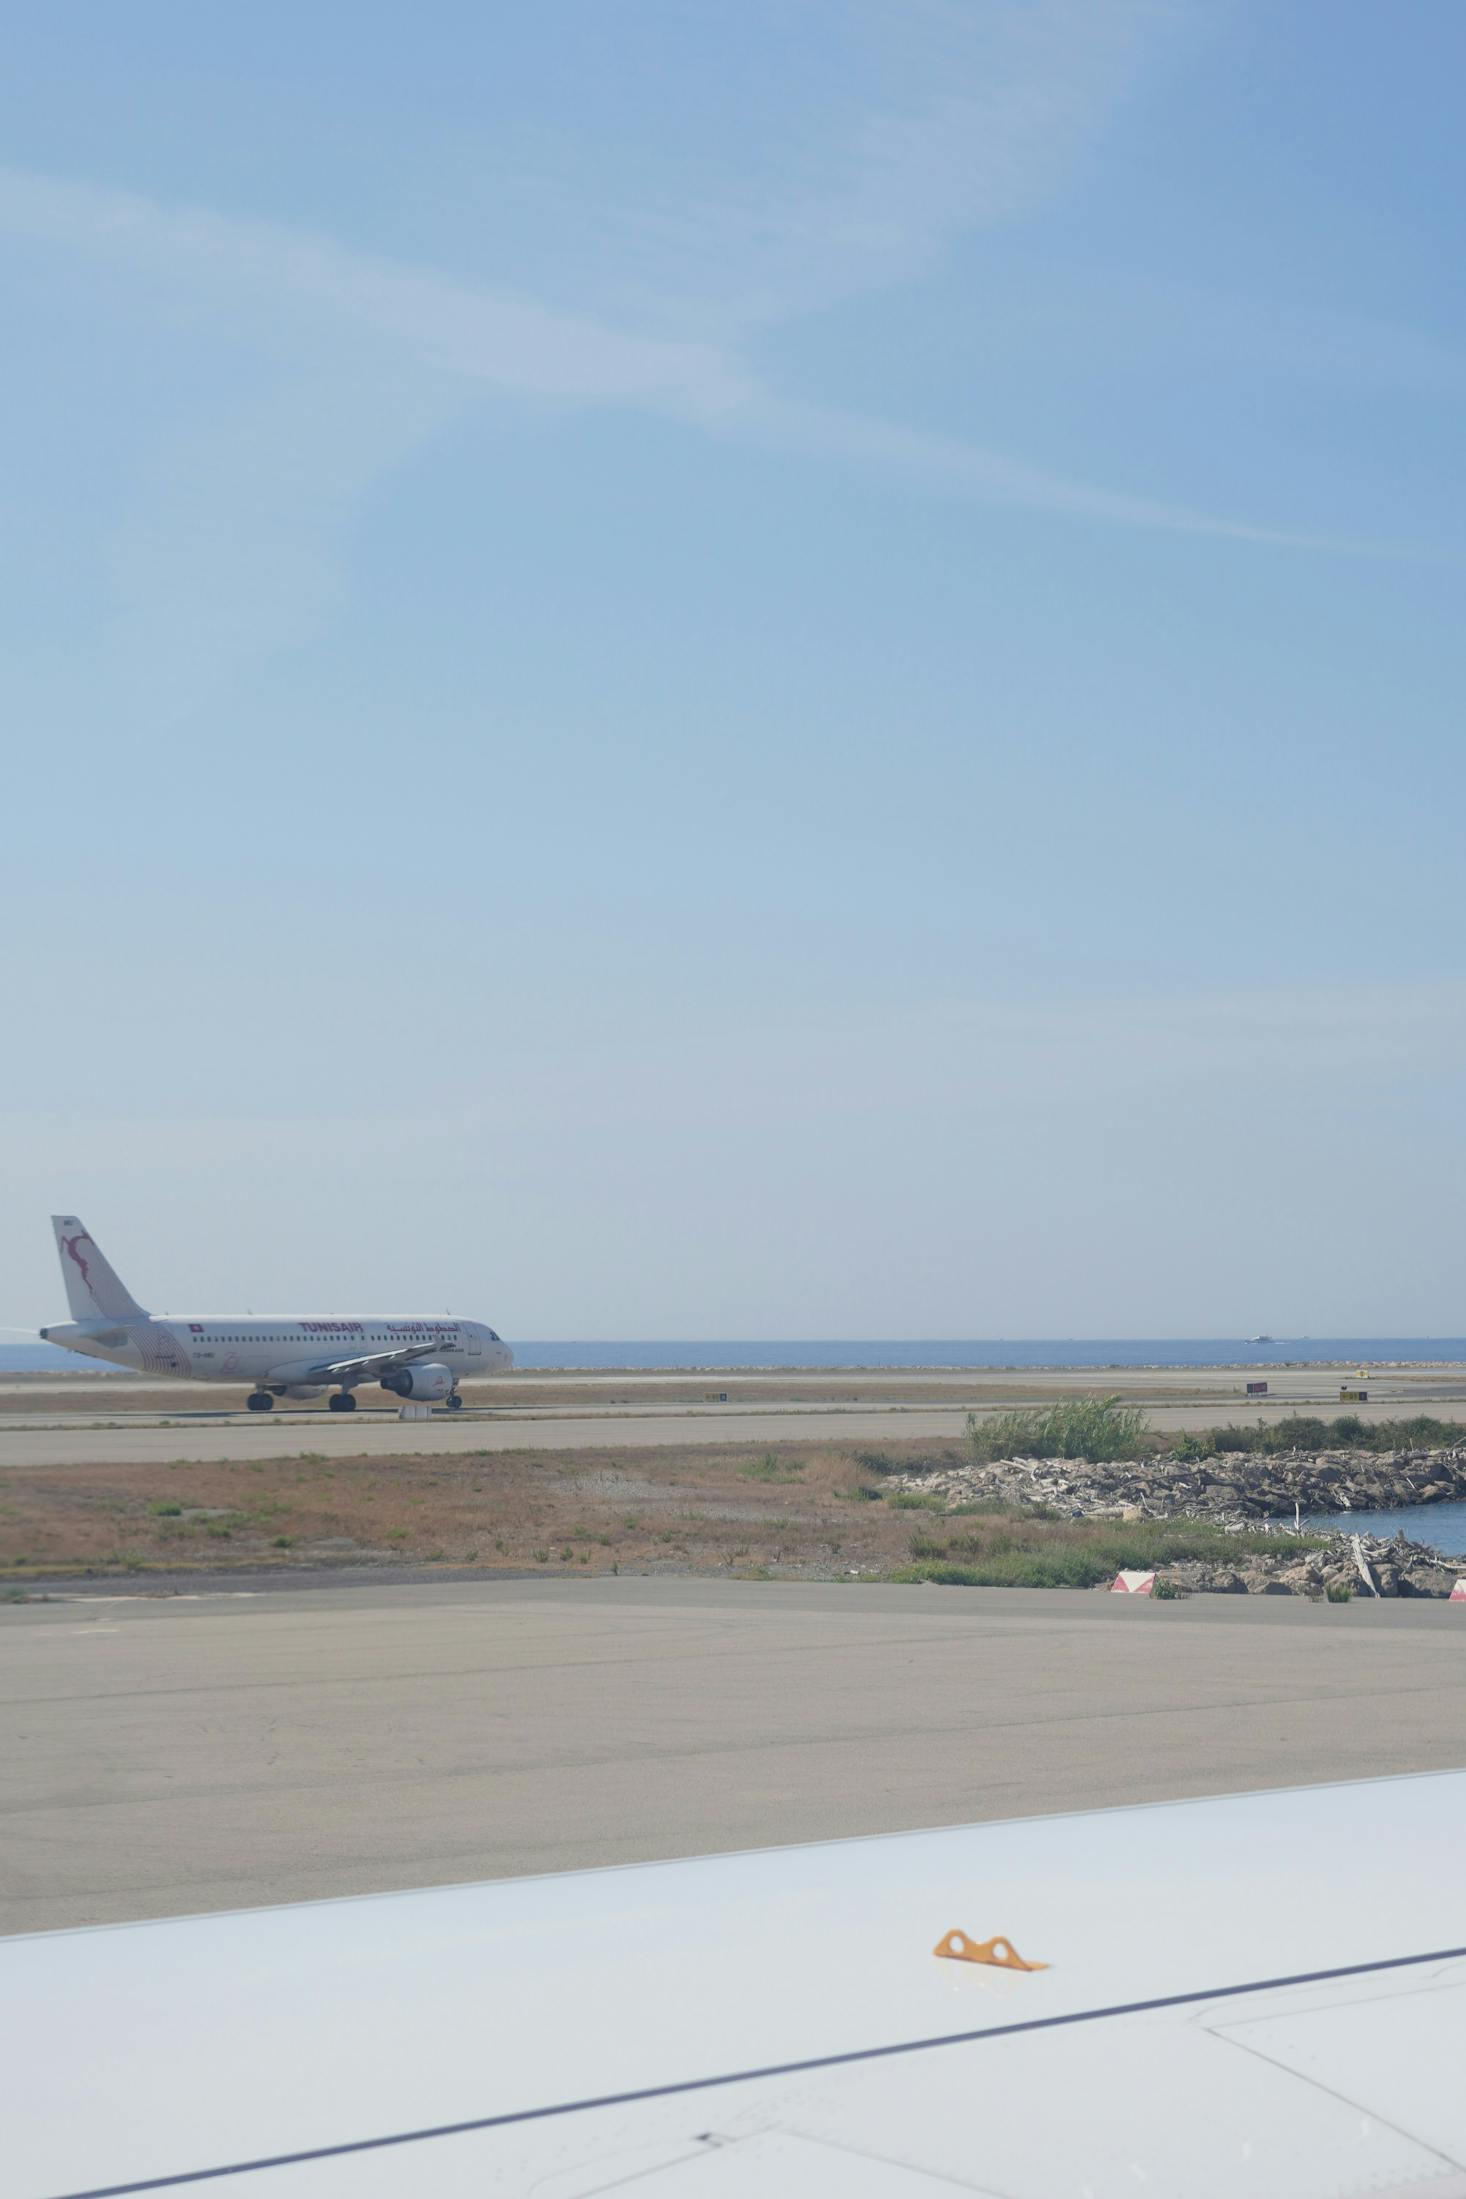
[{"x": 226, "y": 1348}]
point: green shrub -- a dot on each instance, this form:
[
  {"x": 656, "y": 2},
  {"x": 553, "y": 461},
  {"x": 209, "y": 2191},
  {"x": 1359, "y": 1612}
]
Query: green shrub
[
  {"x": 1056, "y": 1568},
  {"x": 1299, "y": 1432},
  {"x": 916, "y": 1500},
  {"x": 1306, "y": 1432},
  {"x": 1024, "y": 1552},
  {"x": 1078, "y": 1427},
  {"x": 1339, "y": 1592}
]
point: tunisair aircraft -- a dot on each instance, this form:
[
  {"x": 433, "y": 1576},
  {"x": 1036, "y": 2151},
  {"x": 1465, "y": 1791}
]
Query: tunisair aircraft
[{"x": 421, "y": 1360}]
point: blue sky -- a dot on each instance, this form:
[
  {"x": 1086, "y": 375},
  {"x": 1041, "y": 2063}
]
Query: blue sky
[{"x": 791, "y": 669}]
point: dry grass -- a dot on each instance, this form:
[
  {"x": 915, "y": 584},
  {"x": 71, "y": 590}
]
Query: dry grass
[{"x": 794, "y": 1510}]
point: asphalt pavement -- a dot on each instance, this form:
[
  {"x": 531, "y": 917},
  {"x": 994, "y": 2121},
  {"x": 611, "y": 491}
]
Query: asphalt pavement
[{"x": 164, "y": 1756}]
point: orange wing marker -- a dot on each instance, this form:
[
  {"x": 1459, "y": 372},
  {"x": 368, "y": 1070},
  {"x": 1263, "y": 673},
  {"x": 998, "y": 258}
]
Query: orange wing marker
[{"x": 999, "y": 1954}]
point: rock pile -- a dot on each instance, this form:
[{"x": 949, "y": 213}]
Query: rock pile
[
  {"x": 1240, "y": 1491},
  {"x": 1232, "y": 1487},
  {"x": 1394, "y": 1568}
]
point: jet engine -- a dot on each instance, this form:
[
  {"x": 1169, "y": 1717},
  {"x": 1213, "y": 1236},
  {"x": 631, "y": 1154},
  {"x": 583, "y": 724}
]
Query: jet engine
[{"x": 430, "y": 1381}]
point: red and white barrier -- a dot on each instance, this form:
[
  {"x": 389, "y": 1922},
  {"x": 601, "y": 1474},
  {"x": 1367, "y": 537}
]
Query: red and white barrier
[
  {"x": 1132, "y": 1584},
  {"x": 1458, "y": 1593}
]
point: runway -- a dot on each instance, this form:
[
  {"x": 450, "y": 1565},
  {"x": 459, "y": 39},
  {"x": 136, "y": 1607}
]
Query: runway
[
  {"x": 172, "y": 1756},
  {"x": 151, "y": 1441},
  {"x": 79, "y": 1420}
]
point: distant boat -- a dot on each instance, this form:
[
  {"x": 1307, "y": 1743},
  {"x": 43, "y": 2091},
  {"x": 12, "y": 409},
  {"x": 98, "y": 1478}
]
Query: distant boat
[{"x": 1262, "y": 1340}]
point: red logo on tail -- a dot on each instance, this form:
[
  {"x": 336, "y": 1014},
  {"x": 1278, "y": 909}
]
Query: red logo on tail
[{"x": 69, "y": 1245}]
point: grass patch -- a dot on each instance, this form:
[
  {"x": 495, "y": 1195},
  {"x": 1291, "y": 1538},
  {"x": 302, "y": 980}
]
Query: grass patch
[
  {"x": 1076, "y": 1427},
  {"x": 1022, "y": 1551},
  {"x": 880, "y": 1462},
  {"x": 770, "y": 1467},
  {"x": 916, "y": 1500}
]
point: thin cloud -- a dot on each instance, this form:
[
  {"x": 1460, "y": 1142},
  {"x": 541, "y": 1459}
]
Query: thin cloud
[
  {"x": 509, "y": 342},
  {"x": 949, "y": 467},
  {"x": 513, "y": 345},
  {"x": 929, "y": 120}
]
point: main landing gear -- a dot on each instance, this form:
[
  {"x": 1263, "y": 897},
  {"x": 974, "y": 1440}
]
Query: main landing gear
[
  {"x": 455, "y": 1402},
  {"x": 260, "y": 1401},
  {"x": 341, "y": 1401}
]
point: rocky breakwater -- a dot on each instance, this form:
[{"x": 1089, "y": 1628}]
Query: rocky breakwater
[
  {"x": 1242, "y": 1492},
  {"x": 1365, "y": 1566}
]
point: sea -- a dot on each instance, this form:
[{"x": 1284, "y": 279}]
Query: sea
[
  {"x": 1443, "y": 1526},
  {"x": 923, "y": 1352}
]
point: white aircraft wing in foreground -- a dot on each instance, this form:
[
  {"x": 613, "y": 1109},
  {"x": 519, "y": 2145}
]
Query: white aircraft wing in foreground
[{"x": 1264, "y": 1994}]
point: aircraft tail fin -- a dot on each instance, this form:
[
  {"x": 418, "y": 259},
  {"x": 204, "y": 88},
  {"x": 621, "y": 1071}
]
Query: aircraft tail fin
[{"x": 93, "y": 1287}]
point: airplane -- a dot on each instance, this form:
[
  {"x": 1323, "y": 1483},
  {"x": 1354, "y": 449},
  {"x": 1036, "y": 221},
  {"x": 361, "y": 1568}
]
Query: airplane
[
  {"x": 422, "y": 1360},
  {"x": 1253, "y": 1994}
]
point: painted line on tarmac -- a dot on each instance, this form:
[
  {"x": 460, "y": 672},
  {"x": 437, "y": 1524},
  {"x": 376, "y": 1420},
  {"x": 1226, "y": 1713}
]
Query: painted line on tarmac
[{"x": 163, "y": 1595}]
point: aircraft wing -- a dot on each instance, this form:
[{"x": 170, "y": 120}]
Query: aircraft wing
[
  {"x": 367, "y": 1366},
  {"x": 1263, "y": 1994}
]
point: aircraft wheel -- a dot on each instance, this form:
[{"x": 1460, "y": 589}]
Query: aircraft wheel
[
  {"x": 341, "y": 1401},
  {"x": 260, "y": 1401},
  {"x": 455, "y": 1402}
]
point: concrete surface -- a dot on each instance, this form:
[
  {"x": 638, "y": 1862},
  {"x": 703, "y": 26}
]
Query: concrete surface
[
  {"x": 167, "y": 1756},
  {"x": 149, "y": 1442}
]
